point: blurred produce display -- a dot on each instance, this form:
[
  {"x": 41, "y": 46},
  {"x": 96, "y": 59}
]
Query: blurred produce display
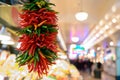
[{"x": 62, "y": 70}]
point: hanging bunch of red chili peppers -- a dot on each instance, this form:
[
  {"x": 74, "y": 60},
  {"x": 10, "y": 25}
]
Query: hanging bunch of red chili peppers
[{"x": 37, "y": 36}]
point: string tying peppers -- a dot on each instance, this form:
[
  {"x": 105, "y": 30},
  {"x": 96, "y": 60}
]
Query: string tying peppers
[{"x": 38, "y": 32}]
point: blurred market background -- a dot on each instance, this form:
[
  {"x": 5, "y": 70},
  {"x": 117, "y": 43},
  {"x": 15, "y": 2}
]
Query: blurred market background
[{"x": 89, "y": 44}]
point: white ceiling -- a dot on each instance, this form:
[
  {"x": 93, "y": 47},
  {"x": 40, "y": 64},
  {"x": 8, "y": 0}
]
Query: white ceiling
[
  {"x": 67, "y": 23},
  {"x": 70, "y": 27},
  {"x": 95, "y": 8}
]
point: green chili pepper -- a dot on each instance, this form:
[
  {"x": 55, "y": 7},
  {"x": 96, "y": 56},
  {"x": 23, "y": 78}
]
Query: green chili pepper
[
  {"x": 35, "y": 61},
  {"x": 28, "y": 30},
  {"x": 22, "y": 62},
  {"x": 31, "y": 6},
  {"x": 20, "y": 55},
  {"x": 26, "y": 55},
  {"x": 39, "y": 32},
  {"x": 19, "y": 58},
  {"x": 42, "y": 3},
  {"x": 37, "y": 55}
]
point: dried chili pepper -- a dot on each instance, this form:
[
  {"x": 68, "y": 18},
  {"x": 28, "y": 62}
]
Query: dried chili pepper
[
  {"x": 38, "y": 36},
  {"x": 34, "y": 17}
]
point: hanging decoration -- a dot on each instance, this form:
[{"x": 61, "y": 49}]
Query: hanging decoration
[{"x": 38, "y": 34}]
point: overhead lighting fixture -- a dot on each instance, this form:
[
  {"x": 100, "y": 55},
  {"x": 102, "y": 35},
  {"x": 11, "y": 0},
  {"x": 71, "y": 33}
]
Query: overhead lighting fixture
[
  {"x": 97, "y": 27},
  {"x": 101, "y": 23},
  {"x": 98, "y": 48},
  {"x": 111, "y": 43},
  {"x": 4, "y": 35},
  {"x": 97, "y": 35},
  {"x": 111, "y": 31},
  {"x": 114, "y": 9},
  {"x": 81, "y": 16},
  {"x": 94, "y": 37},
  {"x": 106, "y": 27},
  {"x": 18, "y": 45},
  {"x": 73, "y": 45},
  {"x": 101, "y": 31},
  {"x": 114, "y": 20},
  {"x": 75, "y": 39},
  {"x": 106, "y": 16},
  {"x": 92, "y": 51},
  {"x": 7, "y": 42}
]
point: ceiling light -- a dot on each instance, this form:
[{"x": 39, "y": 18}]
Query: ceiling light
[
  {"x": 111, "y": 31},
  {"x": 101, "y": 32},
  {"x": 73, "y": 45},
  {"x": 101, "y": 22},
  {"x": 106, "y": 17},
  {"x": 98, "y": 48},
  {"x": 75, "y": 39},
  {"x": 111, "y": 43},
  {"x": 92, "y": 51},
  {"x": 97, "y": 35},
  {"x": 114, "y": 9},
  {"x": 7, "y": 42},
  {"x": 94, "y": 38},
  {"x": 4, "y": 35},
  {"x": 81, "y": 16},
  {"x": 114, "y": 20},
  {"x": 107, "y": 27},
  {"x": 18, "y": 45},
  {"x": 97, "y": 27}
]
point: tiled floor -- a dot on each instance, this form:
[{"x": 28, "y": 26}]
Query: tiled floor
[{"x": 105, "y": 76}]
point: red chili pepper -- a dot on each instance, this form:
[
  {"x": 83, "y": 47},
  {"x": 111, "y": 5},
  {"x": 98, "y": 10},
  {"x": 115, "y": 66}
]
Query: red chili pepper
[
  {"x": 42, "y": 10},
  {"x": 36, "y": 17},
  {"x": 32, "y": 49},
  {"x": 30, "y": 67},
  {"x": 30, "y": 43},
  {"x": 40, "y": 41}
]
